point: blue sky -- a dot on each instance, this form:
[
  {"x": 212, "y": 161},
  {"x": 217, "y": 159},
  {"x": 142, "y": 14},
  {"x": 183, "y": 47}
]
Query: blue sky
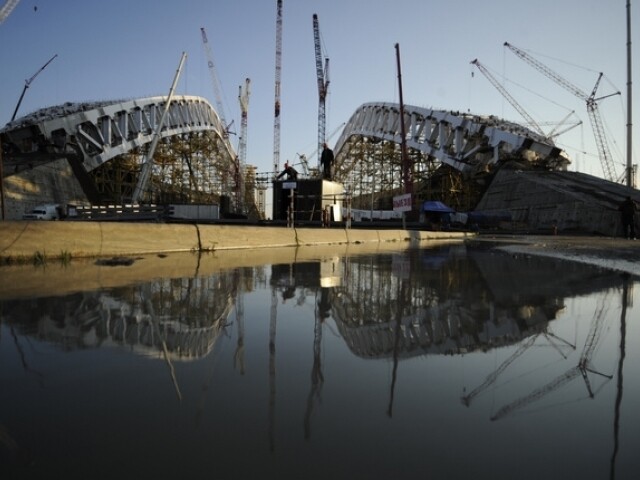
[{"x": 116, "y": 49}]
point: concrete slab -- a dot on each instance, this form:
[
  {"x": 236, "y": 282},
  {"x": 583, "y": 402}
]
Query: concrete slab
[{"x": 22, "y": 240}]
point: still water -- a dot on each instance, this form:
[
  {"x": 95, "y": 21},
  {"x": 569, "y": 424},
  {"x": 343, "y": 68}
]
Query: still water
[{"x": 451, "y": 362}]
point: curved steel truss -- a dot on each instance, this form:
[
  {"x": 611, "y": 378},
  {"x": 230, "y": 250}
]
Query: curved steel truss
[
  {"x": 467, "y": 143},
  {"x": 101, "y": 131}
]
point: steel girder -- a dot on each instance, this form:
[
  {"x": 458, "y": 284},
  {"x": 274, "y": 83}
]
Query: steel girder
[
  {"x": 467, "y": 143},
  {"x": 100, "y": 131}
]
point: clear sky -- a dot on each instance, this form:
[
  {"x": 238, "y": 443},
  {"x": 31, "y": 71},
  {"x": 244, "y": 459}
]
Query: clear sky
[{"x": 125, "y": 49}]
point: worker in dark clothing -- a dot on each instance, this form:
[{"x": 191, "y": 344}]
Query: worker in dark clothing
[
  {"x": 289, "y": 171},
  {"x": 326, "y": 159},
  {"x": 628, "y": 210}
]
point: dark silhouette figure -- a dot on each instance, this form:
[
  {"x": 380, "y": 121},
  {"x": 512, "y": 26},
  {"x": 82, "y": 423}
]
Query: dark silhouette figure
[
  {"x": 326, "y": 159},
  {"x": 628, "y": 210},
  {"x": 289, "y": 171}
]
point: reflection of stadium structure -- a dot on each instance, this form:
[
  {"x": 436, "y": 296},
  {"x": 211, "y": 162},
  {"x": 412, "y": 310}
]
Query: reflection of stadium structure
[
  {"x": 178, "y": 319},
  {"x": 457, "y": 302}
]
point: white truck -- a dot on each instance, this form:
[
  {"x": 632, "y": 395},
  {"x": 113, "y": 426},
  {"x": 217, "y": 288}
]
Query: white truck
[{"x": 50, "y": 211}]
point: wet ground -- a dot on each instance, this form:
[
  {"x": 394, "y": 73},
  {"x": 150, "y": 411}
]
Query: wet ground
[
  {"x": 492, "y": 359},
  {"x": 609, "y": 252}
]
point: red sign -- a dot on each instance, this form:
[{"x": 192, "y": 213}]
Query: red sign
[{"x": 402, "y": 203}]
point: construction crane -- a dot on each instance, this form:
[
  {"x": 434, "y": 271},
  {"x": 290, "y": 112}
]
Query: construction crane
[
  {"x": 592, "y": 107},
  {"x": 215, "y": 82},
  {"x": 147, "y": 165},
  {"x": 304, "y": 159},
  {"x": 508, "y": 97},
  {"x": 276, "y": 117},
  {"x": 322, "y": 74},
  {"x": 243, "y": 99},
  {"x": 27, "y": 83},
  {"x": 7, "y": 8}
]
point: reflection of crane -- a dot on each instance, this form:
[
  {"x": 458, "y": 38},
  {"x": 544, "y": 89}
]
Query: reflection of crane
[
  {"x": 276, "y": 113},
  {"x": 508, "y": 97},
  {"x": 592, "y": 108},
  {"x": 323, "y": 83},
  {"x": 215, "y": 82},
  {"x": 582, "y": 368},
  {"x": 317, "y": 377},
  {"x": 490, "y": 380},
  {"x": 238, "y": 357},
  {"x": 272, "y": 365},
  {"x": 466, "y": 399},
  {"x": 27, "y": 83}
]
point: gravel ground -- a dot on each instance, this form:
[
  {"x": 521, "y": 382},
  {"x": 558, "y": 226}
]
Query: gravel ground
[{"x": 607, "y": 252}]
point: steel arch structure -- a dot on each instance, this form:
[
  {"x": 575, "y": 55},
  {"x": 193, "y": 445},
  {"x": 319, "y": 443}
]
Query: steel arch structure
[
  {"x": 467, "y": 143},
  {"x": 101, "y": 131}
]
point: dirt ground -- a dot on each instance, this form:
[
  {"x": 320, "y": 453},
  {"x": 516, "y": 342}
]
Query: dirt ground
[{"x": 608, "y": 252}]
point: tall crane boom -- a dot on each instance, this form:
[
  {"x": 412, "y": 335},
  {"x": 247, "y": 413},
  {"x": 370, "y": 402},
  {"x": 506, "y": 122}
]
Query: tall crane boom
[
  {"x": 591, "y": 101},
  {"x": 215, "y": 82},
  {"x": 27, "y": 84},
  {"x": 322, "y": 74},
  {"x": 7, "y": 8},
  {"x": 276, "y": 116},
  {"x": 243, "y": 99},
  {"x": 145, "y": 173},
  {"x": 508, "y": 97}
]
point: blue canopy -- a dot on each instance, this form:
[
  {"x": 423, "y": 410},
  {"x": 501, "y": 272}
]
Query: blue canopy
[{"x": 435, "y": 206}]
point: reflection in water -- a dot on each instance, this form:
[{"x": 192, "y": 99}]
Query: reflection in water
[
  {"x": 439, "y": 303},
  {"x": 626, "y": 292},
  {"x": 582, "y": 368}
]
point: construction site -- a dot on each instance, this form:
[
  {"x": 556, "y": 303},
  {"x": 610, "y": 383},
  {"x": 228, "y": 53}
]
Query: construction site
[{"x": 168, "y": 152}]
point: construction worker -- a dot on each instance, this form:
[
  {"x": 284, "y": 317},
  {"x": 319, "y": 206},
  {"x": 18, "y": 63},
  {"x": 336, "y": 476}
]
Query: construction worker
[
  {"x": 326, "y": 159},
  {"x": 628, "y": 210},
  {"x": 289, "y": 171}
]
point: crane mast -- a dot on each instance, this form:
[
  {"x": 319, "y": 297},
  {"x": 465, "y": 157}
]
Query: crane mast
[
  {"x": 508, "y": 97},
  {"x": 27, "y": 84},
  {"x": 591, "y": 101},
  {"x": 276, "y": 117},
  {"x": 145, "y": 173},
  {"x": 322, "y": 74},
  {"x": 7, "y": 8},
  {"x": 215, "y": 82},
  {"x": 243, "y": 99}
]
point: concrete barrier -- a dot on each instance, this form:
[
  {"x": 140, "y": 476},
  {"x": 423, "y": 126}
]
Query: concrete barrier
[{"x": 25, "y": 239}]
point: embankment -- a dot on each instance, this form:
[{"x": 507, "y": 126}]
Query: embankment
[{"x": 22, "y": 240}]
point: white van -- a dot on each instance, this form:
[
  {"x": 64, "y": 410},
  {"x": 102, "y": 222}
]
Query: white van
[{"x": 49, "y": 211}]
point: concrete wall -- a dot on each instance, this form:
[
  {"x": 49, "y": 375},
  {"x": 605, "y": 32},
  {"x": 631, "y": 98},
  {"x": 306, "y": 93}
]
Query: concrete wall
[
  {"x": 24, "y": 239},
  {"x": 50, "y": 183}
]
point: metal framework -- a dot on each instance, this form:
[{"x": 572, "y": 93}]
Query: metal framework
[
  {"x": 608, "y": 167},
  {"x": 322, "y": 74},
  {"x": 110, "y": 139},
  {"x": 276, "y": 113},
  {"x": 369, "y": 160}
]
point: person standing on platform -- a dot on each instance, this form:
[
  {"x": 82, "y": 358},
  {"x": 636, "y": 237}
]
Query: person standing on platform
[
  {"x": 326, "y": 159},
  {"x": 628, "y": 210}
]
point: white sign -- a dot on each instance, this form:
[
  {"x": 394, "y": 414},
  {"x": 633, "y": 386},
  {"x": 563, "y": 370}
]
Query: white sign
[
  {"x": 289, "y": 185},
  {"x": 402, "y": 203}
]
